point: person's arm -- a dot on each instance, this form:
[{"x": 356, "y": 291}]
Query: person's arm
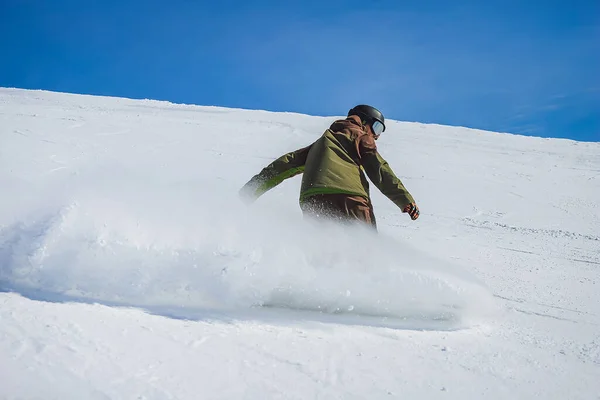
[
  {"x": 286, "y": 166},
  {"x": 382, "y": 175}
]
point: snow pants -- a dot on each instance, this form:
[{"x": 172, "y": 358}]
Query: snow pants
[{"x": 339, "y": 207}]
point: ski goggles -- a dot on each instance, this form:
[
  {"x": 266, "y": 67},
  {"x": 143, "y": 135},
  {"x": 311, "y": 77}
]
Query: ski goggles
[{"x": 377, "y": 127}]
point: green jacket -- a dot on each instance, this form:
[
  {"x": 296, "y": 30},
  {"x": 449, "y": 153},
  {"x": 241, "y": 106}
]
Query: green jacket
[{"x": 335, "y": 164}]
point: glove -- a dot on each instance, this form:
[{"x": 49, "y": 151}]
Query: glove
[{"x": 412, "y": 210}]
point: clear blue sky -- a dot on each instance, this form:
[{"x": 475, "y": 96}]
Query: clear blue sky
[{"x": 530, "y": 67}]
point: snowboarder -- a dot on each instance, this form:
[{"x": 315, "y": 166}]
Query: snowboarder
[{"x": 334, "y": 184}]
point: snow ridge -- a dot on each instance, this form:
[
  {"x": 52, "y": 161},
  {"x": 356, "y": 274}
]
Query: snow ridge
[
  {"x": 111, "y": 250},
  {"x": 129, "y": 269}
]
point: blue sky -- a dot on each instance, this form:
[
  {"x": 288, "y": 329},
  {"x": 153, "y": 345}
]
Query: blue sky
[{"x": 512, "y": 66}]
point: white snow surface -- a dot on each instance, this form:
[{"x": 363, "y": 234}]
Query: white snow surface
[{"x": 131, "y": 269}]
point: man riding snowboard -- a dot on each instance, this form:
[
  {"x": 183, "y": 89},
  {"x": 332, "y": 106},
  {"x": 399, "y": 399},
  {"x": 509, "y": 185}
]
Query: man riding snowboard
[{"x": 334, "y": 184}]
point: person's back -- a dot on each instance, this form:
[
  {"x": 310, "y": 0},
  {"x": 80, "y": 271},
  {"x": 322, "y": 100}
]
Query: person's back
[
  {"x": 333, "y": 162},
  {"x": 334, "y": 183}
]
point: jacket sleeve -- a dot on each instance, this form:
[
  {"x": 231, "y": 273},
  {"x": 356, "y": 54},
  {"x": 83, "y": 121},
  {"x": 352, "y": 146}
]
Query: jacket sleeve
[
  {"x": 286, "y": 166},
  {"x": 381, "y": 174}
]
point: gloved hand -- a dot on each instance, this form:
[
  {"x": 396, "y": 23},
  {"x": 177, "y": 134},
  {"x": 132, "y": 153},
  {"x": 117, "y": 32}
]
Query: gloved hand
[{"x": 412, "y": 210}]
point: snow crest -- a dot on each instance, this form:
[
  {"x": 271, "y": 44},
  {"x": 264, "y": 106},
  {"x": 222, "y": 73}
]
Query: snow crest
[{"x": 126, "y": 245}]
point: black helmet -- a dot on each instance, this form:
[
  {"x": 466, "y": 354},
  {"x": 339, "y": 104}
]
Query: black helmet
[{"x": 369, "y": 113}]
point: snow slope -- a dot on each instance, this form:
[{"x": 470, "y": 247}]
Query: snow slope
[{"x": 129, "y": 268}]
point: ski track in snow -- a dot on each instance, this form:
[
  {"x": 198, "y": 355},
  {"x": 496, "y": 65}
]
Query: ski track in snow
[{"x": 130, "y": 269}]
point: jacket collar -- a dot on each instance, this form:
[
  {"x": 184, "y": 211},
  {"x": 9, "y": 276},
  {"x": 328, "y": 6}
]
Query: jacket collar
[{"x": 355, "y": 119}]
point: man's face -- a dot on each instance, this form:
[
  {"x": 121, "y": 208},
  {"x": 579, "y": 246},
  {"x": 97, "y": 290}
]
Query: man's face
[{"x": 370, "y": 131}]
